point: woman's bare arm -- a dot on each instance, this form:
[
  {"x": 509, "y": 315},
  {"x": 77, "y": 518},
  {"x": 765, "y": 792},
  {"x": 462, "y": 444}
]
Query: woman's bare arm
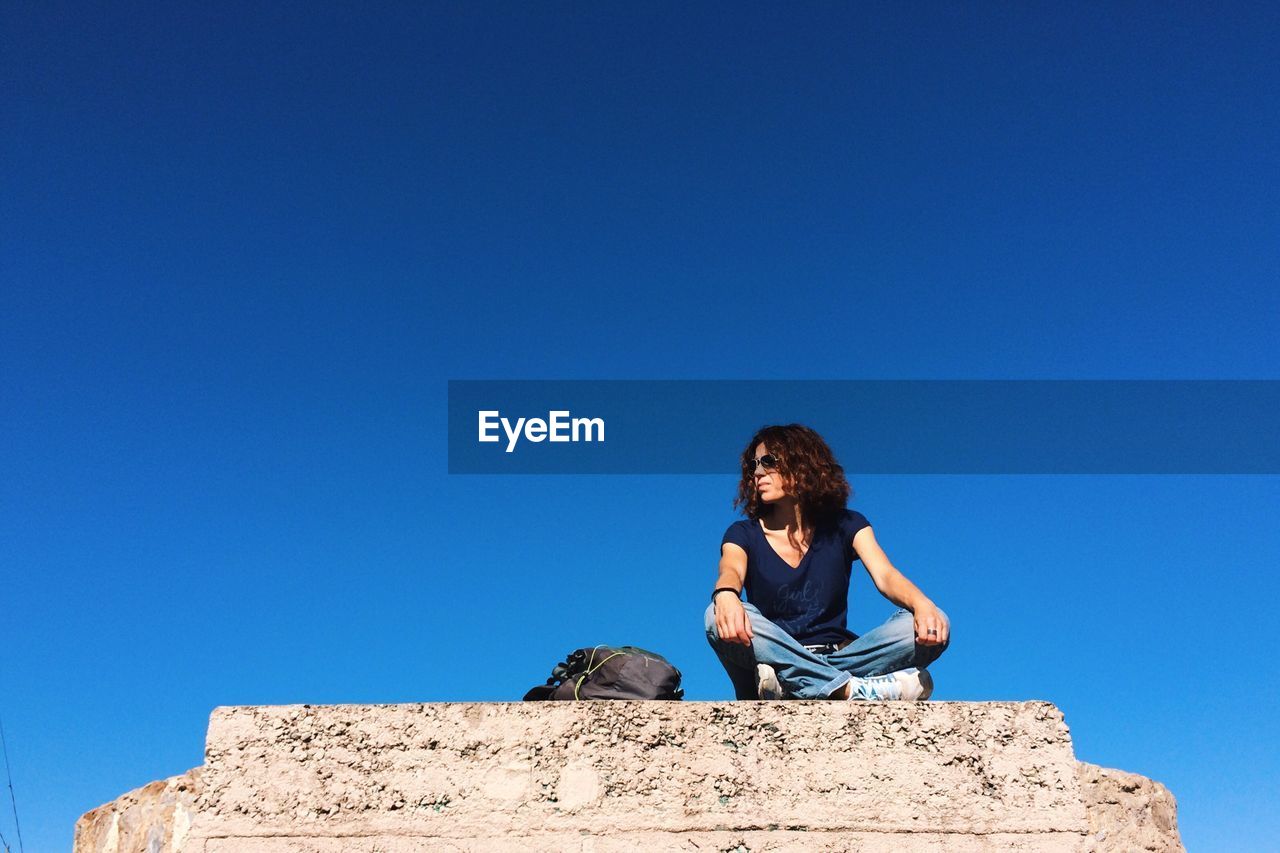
[
  {"x": 731, "y": 619},
  {"x": 894, "y": 586}
]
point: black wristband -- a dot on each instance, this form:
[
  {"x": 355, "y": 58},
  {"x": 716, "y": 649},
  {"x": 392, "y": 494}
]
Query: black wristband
[{"x": 735, "y": 592}]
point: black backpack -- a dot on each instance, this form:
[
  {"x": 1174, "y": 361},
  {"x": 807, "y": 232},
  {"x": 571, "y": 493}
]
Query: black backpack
[{"x": 610, "y": 672}]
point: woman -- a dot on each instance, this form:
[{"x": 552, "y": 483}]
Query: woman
[{"x": 793, "y": 554}]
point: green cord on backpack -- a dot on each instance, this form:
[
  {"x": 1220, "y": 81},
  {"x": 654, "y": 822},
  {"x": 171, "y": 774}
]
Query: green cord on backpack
[{"x": 610, "y": 672}]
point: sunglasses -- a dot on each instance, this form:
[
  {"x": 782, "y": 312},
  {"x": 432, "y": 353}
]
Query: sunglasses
[{"x": 767, "y": 462}]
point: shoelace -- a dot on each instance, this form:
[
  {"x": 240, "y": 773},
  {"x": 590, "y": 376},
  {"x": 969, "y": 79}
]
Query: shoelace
[{"x": 878, "y": 687}]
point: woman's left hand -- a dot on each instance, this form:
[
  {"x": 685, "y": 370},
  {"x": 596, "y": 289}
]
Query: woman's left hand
[{"x": 929, "y": 618}]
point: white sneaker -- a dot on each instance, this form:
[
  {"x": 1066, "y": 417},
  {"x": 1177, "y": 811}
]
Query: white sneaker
[
  {"x": 910, "y": 685},
  {"x": 767, "y": 686}
]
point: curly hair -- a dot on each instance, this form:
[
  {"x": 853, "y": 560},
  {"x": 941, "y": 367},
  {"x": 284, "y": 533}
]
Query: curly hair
[{"x": 808, "y": 467}]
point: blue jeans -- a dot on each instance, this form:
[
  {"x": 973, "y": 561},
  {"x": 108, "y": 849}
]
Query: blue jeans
[{"x": 807, "y": 675}]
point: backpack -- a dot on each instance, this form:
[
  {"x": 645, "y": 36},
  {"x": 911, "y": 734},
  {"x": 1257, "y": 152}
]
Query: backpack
[{"x": 610, "y": 672}]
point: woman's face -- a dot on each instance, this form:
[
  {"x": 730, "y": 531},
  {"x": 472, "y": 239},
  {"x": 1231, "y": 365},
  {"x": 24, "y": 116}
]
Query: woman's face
[{"x": 769, "y": 483}]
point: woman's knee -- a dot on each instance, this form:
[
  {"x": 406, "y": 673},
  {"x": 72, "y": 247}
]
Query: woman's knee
[
  {"x": 903, "y": 623},
  {"x": 935, "y": 651},
  {"x": 709, "y": 616},
  {"x": 709, "y": 619},
  {"x": 947, "y": 620}
]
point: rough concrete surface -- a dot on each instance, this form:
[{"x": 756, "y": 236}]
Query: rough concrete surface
[
  {"x": 613, "y": 776},
  {"x": 1128, "y": 812},
  {"x": 156, "y": 817}
]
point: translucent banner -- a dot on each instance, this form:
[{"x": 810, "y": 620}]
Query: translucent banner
[{"x": 874, "y": 426}]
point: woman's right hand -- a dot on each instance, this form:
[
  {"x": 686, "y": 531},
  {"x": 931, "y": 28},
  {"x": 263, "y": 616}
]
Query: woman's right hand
[{"x": 732, "y": 623}]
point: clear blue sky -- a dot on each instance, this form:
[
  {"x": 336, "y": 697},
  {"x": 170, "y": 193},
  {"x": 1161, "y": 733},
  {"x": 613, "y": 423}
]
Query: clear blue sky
[{"x": 244, "y": 249}]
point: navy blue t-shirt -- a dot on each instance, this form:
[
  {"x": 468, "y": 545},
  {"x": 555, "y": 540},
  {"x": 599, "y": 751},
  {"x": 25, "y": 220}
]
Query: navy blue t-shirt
[{"x": 811, "y": 601}]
